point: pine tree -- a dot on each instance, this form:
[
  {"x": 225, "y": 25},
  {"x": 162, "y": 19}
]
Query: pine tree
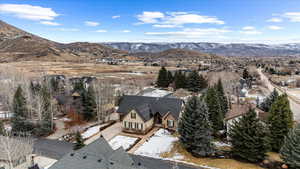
[
  {"x": 248, "y": 138},
  {"x": 267, "y": 103},
  {"x": 170, "y": 78},
  {"x": 19, "y": 105},
  {"x": 290, "y": 151},
  {"x": 222, "y": 98},
  {"x": 195, "y": 129},
  {"x": 195, "y": 83},
  {"x": 2, "y": 129},
  {"x": 280, "y": 121},
  {"x": 89, "y": 104},
  {"x": 246, "y": 74},
  {"x": 179, "y": 80},
  {"x": 215, "y": 112},
  {"x": 79, "y": 142},
  {"x": 79, "y": 87},
  {"x": 162, "y": 79}
]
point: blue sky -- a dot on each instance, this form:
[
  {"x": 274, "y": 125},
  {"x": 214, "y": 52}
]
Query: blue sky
[{"x": 228, "y": 21}]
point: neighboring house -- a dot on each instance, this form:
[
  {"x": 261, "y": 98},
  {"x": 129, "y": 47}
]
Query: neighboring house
[
  {"x": 140, "y": 113},
  {"x": 99, "y": 155},
  {"x": 238, "y": 110}
]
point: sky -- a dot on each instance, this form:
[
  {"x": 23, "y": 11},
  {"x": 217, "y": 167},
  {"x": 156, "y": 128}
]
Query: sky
[{"x": 225, "y": 21}]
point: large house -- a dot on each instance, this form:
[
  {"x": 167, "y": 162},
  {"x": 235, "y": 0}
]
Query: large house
[
  {"x": 140, "y": 113},
  {"x": 99, "y": 155}
]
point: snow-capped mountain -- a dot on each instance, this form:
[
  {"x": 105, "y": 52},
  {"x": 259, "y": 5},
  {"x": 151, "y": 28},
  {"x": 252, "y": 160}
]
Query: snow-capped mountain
[{"x": 235, "y": 49}]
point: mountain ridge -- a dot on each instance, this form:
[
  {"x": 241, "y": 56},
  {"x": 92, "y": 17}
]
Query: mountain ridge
[{"x": 222, "y": 49}]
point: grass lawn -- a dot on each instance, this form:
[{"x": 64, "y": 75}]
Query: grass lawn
[{"x": 177, "y": 150}]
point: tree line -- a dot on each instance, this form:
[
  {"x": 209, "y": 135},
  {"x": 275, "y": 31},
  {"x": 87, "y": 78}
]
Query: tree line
[{"x": 191, "y": 81}]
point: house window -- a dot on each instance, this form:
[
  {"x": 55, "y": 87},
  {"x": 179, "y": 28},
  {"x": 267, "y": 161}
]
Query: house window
[
  {"x": 137, "y": 125},
  {"x": 141, "y": 126},
  {"x": 133, "y": 125},
  {"x": 133, "y": 115},
  {"x": 170, "y": 123},
  {"x": 130, "y": 125},
  {"x": 125, "y": 124}
]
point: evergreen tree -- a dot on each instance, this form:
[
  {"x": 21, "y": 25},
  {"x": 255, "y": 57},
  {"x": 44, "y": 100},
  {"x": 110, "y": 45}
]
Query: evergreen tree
[
  {"x": 222, "y": 98},
  {"x": 19, "y": 105},
  {"x": 79, "y": 87},
  {"x": 215, "y": 112},
  {"x": 179, "y": 80},
  {"x": 2, "y": 129},
  {"x": 195, "y": 129},
  {"x": 246, "y": 74},
  {"x": 280, "y": 121},
  {"x": 195, "y": 83},
  {"x": 290, "y": 151},
  {"x": 267, "y": 103},
  {"x": 248, "y": 138},
  {"x": 89, "y": 104},
  {"x": 79, "y": 142},
  {"x": 170, "y": 78},
  {"x": 162, "y": 79}
]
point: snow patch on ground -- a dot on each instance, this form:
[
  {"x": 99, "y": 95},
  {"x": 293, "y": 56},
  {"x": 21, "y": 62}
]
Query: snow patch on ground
[
  {"x": 122, "y": 141},
  {"x": 91, "y": 131},
  {"x": 159, "y": 143},
  {"x": 221, "y": 144}
]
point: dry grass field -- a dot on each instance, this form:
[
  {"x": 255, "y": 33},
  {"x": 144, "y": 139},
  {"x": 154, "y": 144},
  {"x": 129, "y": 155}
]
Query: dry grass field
[{"x": 117, "y": 73}]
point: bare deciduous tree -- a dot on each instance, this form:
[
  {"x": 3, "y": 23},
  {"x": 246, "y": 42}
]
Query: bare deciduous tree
[
  {"x": 15, "y": 149},
  {"x": 104, "y": 98}
]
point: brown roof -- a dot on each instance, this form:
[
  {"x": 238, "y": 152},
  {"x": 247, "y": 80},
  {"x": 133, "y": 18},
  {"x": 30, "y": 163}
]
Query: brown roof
[
  {"x": 241, "y": 109},
  {"x": 237, "y": 110}
]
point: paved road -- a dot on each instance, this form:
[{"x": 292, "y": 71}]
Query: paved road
[{"x": 295, "y": 105}]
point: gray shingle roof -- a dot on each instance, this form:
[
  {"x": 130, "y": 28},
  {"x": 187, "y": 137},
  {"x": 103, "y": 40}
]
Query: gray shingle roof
[
  {"x": 147, "y": 105},
  {"x": 97, "y": 155}
]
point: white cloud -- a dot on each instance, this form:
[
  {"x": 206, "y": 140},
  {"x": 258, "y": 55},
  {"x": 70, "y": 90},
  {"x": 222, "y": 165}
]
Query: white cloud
[
  {"x": 175, "y": 19},
  {"x": 150, "y": 17},
  {"x": 67, "y": 29},
  {"x": 273, "y": 27},
  {"x": 50, "y": 23},
  {"x": 116, "y": 16},
  {"x": 292, "y": 16},
  {"x": 191, "y": 33},
  {"x": 101, "y": 30},
  {"x": 91, "y": 23},
  {"x": 277, "y": 20},
  {"x": 248, "y": 28},
  {"x": 254, "y": 32},
  {"x": 126, "y": 31},
  {"x": 165, "y": 26},
  {"x": 30, "y": 12}
]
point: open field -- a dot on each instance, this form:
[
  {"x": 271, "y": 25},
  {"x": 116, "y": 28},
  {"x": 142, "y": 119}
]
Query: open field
[{"x": 118, "y": 73}]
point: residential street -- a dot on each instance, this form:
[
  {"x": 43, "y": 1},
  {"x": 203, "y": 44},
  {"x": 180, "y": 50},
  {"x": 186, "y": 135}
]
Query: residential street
[{"x": 294, "y": 103}]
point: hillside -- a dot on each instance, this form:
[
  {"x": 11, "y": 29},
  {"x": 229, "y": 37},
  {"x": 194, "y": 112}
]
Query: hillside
[
  {"x": 231, "y": 50},
  {"x": 175, "y": 54},
  {"x": 18, "y": 45}
]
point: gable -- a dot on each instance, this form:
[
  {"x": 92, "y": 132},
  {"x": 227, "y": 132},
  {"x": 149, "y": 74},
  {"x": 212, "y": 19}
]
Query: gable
[{"x": 138, "y": 117}]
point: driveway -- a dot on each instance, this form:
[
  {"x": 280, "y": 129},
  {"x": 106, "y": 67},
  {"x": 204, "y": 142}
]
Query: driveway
[{"x": 107, "y": 133}]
